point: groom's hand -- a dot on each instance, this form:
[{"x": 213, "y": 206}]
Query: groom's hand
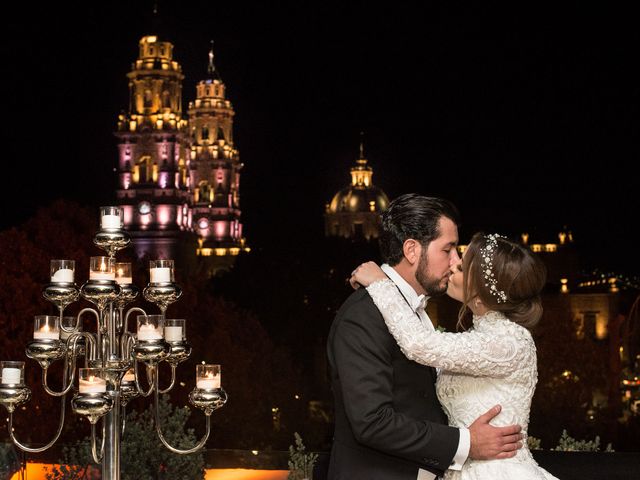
[{"x": 489, "y": 442}]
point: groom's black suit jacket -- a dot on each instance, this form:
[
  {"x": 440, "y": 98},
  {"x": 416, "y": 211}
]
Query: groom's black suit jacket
[{"x": 388, "y": 421}]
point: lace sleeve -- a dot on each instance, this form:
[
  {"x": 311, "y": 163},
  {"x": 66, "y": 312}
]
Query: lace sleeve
[{"x": 473, "y": 352}]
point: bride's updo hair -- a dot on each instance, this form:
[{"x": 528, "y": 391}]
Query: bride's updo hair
[{"x": 506, "y": 276}]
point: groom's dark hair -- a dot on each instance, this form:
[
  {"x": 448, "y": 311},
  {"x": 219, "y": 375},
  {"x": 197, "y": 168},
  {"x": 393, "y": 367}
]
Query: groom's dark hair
[{"x": 412, "y": 216}]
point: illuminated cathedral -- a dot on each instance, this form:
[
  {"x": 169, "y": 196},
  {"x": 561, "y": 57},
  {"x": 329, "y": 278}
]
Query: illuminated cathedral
[
  {"x": 179, "y": 176},
  {"x": 354, "y": 212}
]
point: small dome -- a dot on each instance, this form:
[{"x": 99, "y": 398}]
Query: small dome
[{"x": 357, "y": 199}]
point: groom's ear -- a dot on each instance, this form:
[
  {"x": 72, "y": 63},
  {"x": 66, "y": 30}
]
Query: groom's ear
[{"x": 411, "y": 249}]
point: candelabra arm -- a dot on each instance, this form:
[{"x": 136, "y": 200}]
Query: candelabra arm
[
  {"x": 199, "y": 445},
  {"x": 48, "y": 445},
  {"x": 92, "y": 353},
  {"x": 105, "y": 349},
  {"x": 98, "y": 325},
  {"x": 95, "y": 314},
  {"x": 126, "y": 319},
  {"x": 94, "y": 451},
  {"x": 126, "y": 345},
  {"x": 123, "y": 416},
  {"x": 72, "y": 361},
  {"x": 173, "y": 380},
  {"x": 68, "y": 329},
  {"x": 138, "y": 387}
]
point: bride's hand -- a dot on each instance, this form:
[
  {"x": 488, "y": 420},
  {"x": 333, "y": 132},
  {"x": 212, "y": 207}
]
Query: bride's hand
[{"x": 365, "y": 274}]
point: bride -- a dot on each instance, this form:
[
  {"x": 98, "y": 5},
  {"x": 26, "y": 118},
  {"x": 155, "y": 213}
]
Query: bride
[{"x": 492, "y": 363}]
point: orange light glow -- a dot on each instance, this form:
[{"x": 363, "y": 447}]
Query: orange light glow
[
  {"x": 245, "y": 474},
  {"x": 36, "y": 471}
]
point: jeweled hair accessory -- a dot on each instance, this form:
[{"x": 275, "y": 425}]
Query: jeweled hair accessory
[{"x": 487, "y": 253}]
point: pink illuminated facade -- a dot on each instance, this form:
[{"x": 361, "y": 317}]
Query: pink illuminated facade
[{"x": 178, "y": 179}]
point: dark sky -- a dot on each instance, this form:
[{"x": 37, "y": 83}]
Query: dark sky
[{"x": 525, "y": 117}]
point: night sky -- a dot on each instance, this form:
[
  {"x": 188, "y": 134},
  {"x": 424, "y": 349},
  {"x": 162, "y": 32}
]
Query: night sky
[{"x": 500, "y": 110}]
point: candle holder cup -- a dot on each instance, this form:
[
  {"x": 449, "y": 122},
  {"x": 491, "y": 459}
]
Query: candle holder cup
[
  {"x": 162, "y": 295},
  {"x": 208, "y": 400},
  {"x": 92, "y": 405},
  {"x": 174, "y": 335},
  {"x": 128, "y": 293},
  {"x": 128, "y": 389},
  {"x": 150, "y": 345},
  {"x": 46, "y": 346},
  {"x": 100, "y": 292},
  {"x": 13, "y": 391},
  {"x": 61, "y": 294},
  {"x": 12, "y": 396},
  {"x": 111, "y": 241}
]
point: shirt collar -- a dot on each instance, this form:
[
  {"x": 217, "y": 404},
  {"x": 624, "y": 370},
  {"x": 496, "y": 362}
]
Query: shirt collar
[{"x": 417, "y": 302}]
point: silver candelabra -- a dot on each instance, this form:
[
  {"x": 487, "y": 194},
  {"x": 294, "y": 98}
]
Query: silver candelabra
[{"x": 114, "y": 357}]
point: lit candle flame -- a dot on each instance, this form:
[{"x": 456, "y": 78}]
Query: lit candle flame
[{"x": 210, "y": 376}]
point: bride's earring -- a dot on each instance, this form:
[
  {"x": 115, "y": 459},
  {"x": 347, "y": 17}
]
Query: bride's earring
[{"x": 477, "y": 302}]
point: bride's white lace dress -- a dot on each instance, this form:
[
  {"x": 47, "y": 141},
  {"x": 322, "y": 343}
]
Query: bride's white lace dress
[{"x": 493, "y": 363}]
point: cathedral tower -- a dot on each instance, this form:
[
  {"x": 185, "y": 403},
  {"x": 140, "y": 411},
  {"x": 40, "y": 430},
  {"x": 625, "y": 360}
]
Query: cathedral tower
[
  {"x": 214, "y": 173},
  {"x": 152, "y": 166}
]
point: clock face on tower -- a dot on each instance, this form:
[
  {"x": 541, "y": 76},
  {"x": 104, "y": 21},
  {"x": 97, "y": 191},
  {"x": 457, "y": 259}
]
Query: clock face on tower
[
  {"x": 144, "y": 208},
  {"x": 203, "y": 223}
]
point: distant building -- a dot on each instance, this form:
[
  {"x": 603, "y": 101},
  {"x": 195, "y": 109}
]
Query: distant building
[
  {"x": 599, "y": 306},
  {"x": 179, "y": 178},
  {"x": 594, "y": 298},
  {"x": 354, "y": 212}
]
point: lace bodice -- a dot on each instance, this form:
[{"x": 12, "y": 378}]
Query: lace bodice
[{"x": 493, "y": 363}]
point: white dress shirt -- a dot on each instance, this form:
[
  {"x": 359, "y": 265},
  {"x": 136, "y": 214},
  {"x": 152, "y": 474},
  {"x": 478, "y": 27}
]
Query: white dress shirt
[{"x": 419, "y": 303}]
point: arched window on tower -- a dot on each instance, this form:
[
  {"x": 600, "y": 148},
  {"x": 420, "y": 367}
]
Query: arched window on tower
[
  {"x": 143, "y": 170},
  {"x": 148, "y": 98},
  {"x": 205, "y": 133},
  {"x": 204, "y": 192},
  {"x": 166, "y": 99}
]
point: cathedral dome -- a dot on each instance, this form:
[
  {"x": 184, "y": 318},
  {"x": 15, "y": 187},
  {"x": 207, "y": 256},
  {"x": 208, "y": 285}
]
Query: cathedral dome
[
  {"x": 354, "y": 212},
  {"x": 355, "y": 199}
]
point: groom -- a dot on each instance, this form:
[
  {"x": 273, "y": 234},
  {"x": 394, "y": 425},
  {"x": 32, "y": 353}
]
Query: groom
[{"x": 389, "y": 424}]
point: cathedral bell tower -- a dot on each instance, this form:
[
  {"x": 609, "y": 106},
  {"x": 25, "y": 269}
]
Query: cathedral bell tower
[
  {"x": 214, "y": 174},
  {"x": 152, "y": 166}
]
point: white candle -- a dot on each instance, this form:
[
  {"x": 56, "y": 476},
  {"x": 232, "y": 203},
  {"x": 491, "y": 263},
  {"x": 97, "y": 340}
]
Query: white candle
[
  {"x": 209, "y": 382},
  {"x": 124, "y": 280},
  {"x": 45, "y": 333},
  {"x": 160, "y": 275},
  {"x": 110, "y": 221},
  {"x": 64, "y": 275},
  {"x": 93, "y": 385},
  {"x": 102, "y": 276},
  {"x": 173, "y": 334},
  {"x": 10, "y": 375},
  {"x": 148, "y": 332}
]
